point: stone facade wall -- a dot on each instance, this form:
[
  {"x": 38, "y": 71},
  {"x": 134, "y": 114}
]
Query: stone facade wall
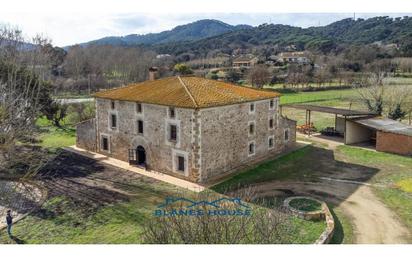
[
  {"x": 393, "y": 143},
  {"x": 213, "y": 141},
  {"x": 160, "y": 152},
  {"x": 86, "y": 135},
  {"x": 225, "y": 135}
]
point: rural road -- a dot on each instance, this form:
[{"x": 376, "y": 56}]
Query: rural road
[
  {"x": 74, "y": 100},
  {"x": 373, "y": 222}
]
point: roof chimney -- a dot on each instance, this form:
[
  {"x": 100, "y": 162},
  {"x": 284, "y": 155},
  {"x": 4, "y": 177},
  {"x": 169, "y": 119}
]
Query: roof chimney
[{"x": 153, "y": 73}]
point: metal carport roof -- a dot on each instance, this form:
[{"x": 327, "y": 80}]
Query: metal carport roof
[
  {"x": 325, "y": 109},
  {"x": 384, "y": 124}
]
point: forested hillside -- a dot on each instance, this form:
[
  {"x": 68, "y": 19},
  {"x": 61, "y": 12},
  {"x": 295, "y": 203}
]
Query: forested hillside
[
  {"x": 330, "y": 38},
  {"x": 188, "y": 32}
]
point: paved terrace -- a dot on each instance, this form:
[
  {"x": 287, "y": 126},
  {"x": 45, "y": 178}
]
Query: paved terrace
[{"x": 125, "y": 165}]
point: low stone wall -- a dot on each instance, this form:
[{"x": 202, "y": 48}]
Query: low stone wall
[
  {"x": 86, "y": 135},
  {"x": 327, "y": 235},
  {"x": 324, "y": 213},
  {"x": 311, "y": 215}
]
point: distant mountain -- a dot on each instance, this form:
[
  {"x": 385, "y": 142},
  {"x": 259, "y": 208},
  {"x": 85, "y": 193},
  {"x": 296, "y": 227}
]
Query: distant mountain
[
  {"x": 200, "y": 37},
  {"x": 327, "y": 38},
  {"x": 189, "y": 32}
]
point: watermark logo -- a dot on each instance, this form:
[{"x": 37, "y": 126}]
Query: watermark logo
[{"x": 181, "y": 206}]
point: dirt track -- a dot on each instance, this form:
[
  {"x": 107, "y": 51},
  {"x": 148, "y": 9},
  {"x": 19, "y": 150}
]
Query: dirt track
[{"x": 373, "y": 222}]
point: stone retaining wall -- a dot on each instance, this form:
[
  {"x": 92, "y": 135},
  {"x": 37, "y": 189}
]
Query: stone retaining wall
[{"x": 327, "y": 235}]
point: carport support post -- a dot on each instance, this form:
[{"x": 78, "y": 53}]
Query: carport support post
[
  {"x": 310, "y": 128},
  {"x": 306, "y": 118},
  {"x": 336, "y": 121},
  {"x": 344, "y": 131}
]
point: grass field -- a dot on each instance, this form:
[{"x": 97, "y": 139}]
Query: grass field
[
  {"x": 391, "y": 173},
  {"x": 53, "y": 137},
  {"x": 395, "y": 176},
  {"x": 286, "y": 167},
  {"x": 113, "y": 209},
  {"x": 295, "y": 166},
  {"x": 318, "y": 96},
  {"x": 332, "y": 98},
  {"x": 121, "y": 223}
]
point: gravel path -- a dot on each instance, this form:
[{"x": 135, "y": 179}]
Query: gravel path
[{"x": 373, "y": 222}]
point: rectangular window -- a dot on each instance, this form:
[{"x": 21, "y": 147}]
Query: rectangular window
[
  {"x": 271, "y": 123},
  {"x": 271, "y": 104},
  {"x": 139, "y": 108},
  {"x": 251, "y": 128},
  {"x": 287, "y": 135},
  {"x": 252, "y": 107},
  {"x": 173, "y": 133},
  {"x": 112, "y": 105},
  {"x": 270, "y": 143},
  {"x": 172, "y": 113},
  {"x": 181, "y": 163},
  {"x": 113, "y": 121},
  {"x": 251, "y": 148},
  {"x": 140, "y": 126},
  {"x": 105, "y": 143}
]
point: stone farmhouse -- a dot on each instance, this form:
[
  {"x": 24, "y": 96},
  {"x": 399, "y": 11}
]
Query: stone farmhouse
[{"x": 189, "y": 127}]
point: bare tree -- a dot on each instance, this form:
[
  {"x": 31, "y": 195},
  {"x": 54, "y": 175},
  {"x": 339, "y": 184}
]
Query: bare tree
[
  {"x": 383, "y": 98},
  {"x": 22, "y": 98},
  {"x": 258, "y": 76},
  {"x": 102, "y": 66}
]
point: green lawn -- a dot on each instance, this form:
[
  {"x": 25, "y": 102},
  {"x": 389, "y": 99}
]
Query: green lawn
[
  {"x": 90, "y": 204},
  {"x": 343, "y": 229},
  {"x": 288, "y": 166},
  {"x": 62, "y": 221},
  {"x": 395, "y": 173},
  {"x": 296, "y": 166},
  {"x": 332, "y": 98},
  {"x": 317, "y": 96},
  {"x": 53, "y": 137}
]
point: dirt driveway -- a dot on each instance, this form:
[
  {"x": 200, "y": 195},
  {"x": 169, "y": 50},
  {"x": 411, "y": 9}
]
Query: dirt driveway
[
  {"x": 373, "y": 222},
  {"x": 345, "y": 186},
  {"x": 325, "y": 174}
]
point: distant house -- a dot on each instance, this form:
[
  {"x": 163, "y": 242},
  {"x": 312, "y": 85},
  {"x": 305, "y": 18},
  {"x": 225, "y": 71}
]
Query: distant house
[
  {"x": 245, "y": 61},
  {"x": 161, "y": 56},
  {"x": 189, "y": 127},
  {"x": 293, "y": 57}
]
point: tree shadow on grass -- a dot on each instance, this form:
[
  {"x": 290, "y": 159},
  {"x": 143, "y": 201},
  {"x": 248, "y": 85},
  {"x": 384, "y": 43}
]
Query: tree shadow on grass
[
  {"x": 18, "y": 240},
  {"x": 317, "y": 173},
  {"x": 75, "y": 181},
  {"x": 339, "y": 233}
]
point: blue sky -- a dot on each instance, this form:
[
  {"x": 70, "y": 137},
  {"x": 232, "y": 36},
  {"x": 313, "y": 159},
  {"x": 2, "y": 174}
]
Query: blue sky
[{"x": 81, "y": 27}]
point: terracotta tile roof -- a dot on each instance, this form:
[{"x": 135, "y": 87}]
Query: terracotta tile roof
[{"x": 186, "y": 92}]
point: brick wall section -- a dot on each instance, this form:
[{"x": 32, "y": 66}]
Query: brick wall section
[
  {"x": 393, "y": 143},
  {"x": 86, "y": 135}
]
